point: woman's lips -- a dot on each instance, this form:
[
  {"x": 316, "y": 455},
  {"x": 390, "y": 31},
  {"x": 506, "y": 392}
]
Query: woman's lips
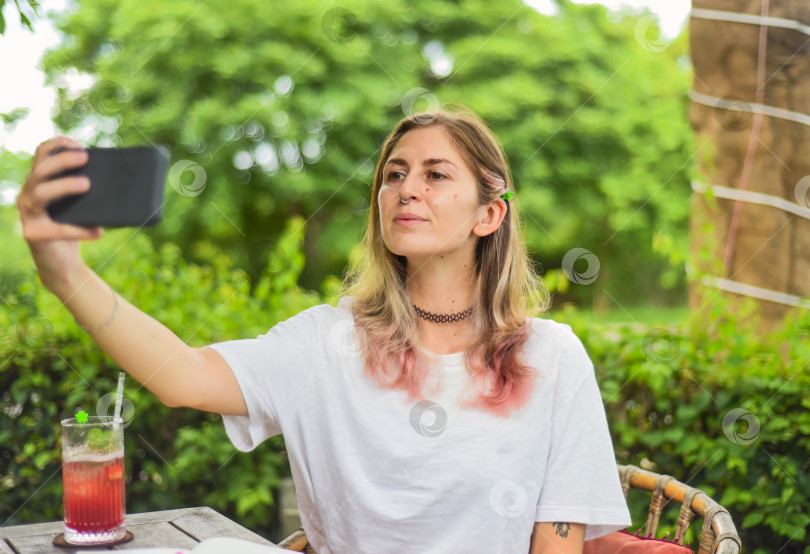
[{"x": 408, "y": 222}]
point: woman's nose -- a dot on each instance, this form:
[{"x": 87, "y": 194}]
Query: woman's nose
[{"x": 408, "y": 186}]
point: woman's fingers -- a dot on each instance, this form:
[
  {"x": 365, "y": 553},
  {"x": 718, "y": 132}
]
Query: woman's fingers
[
  {"x": 53, "y": 146},
  {"x": 49, "y": 161},
  {"x": 39, "y": 196},
  {"x": 52, "y": 158}
]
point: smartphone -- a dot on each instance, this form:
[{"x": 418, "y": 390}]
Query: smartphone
[{"x": 126, "y": 188}]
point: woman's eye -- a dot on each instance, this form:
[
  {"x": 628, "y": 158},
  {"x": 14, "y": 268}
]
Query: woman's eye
[{"x": 432, "y": 174}]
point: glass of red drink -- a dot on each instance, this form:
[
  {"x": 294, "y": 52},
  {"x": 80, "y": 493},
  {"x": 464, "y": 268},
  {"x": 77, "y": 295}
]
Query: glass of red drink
[{"x": 93, "y": 480}]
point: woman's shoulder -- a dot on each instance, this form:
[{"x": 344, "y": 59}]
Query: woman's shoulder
[
  {"x": 326, "y": 309},
  {"x": 547, "y": 327},
  {"x": 554, "y": 340},
  {"x": 313, "y": 318},
  {"x": 327, "y": 316}
]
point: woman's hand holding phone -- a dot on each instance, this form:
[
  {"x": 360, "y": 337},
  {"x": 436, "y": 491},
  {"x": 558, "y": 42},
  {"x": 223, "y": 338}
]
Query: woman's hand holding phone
[
  {"x": 54, "y": 246},
  {"x": 177, "y": 373}
]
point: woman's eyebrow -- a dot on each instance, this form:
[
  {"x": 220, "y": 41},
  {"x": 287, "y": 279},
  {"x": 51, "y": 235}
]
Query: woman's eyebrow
[{"x": 430, "y": 161}]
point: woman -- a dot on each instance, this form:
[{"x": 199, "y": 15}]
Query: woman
[{"x": 430, "y": 411}]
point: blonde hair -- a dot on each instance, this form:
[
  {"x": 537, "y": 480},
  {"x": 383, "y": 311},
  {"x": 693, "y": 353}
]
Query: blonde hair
[{"x": 507, "y": 290}]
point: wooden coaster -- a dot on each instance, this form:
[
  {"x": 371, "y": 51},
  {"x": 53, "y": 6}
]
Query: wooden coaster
[{"x": 59, "y": 540}]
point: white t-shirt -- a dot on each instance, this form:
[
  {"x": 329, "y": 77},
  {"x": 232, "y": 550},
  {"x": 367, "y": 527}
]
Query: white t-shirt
[{"x": 375, "y": 472}]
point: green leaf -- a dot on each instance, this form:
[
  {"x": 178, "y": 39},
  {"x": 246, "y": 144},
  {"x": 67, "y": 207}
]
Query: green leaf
[
  {"x": 100, "y": 440},
  {"x": 246, "y": 502},
  {"x": 753, "y": 518},
  {"x": 41, "y": 459}
]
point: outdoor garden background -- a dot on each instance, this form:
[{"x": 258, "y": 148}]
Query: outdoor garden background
[{"x": 274, "y": 113}]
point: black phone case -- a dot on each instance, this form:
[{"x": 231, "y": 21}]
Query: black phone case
[{"x": 126, "y": 188}]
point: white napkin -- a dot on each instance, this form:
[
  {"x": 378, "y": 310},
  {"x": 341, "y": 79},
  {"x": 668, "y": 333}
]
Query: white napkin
[
  {"x": 221, "y": 545},
  {"x": 145, "y": 551},
  {"x": 218, "y": 545}
]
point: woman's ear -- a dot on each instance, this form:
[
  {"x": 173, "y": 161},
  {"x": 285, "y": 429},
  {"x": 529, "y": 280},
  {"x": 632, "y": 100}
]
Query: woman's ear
[{"x": 491, "y": 217}]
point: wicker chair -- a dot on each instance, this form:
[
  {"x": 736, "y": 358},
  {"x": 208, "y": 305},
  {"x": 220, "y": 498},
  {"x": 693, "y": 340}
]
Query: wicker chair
[
  {"x": 718, "y": 536},
  {"x": 297, "y": 541}
]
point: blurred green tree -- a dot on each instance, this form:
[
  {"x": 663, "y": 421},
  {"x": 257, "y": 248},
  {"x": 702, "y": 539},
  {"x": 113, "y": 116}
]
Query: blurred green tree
[
  {"x": 13, "y": 169},
  {"x": 278, "y": 109},
  {"x": 33, "y": 4}
]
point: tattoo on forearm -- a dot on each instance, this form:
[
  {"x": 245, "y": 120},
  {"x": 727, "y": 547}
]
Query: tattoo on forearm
[{"x": 562, "y": 529}]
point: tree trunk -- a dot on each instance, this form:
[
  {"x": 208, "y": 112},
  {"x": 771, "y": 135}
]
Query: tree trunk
[{"x": 764, "y": 246}]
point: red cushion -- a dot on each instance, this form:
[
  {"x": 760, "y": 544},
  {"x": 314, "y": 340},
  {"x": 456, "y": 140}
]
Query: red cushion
[{"x": 626, "y": 543}]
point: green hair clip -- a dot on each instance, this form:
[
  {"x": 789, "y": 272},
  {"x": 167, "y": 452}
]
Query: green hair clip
[{"x": 508, "y": 194}]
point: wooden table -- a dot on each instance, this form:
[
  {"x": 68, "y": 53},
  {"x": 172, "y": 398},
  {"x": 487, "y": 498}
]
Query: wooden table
[{"x": 170, "y": 528}]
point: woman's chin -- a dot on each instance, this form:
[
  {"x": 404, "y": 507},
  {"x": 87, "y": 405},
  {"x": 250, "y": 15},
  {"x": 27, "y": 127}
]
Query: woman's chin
[{"x": 411, "y": 253}]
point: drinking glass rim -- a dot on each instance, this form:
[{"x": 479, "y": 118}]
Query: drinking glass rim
[{"x": 92, "y": 421}]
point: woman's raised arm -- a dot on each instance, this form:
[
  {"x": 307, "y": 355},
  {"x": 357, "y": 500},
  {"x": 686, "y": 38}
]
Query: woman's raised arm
[{"x": 177, "y": 373}]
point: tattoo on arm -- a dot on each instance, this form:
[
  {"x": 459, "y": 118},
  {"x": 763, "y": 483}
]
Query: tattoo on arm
[{"x": 562, "y": 529}]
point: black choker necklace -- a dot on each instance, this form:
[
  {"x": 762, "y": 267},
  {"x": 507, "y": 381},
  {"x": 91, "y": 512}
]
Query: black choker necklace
[{"x": 443, "y": 318}]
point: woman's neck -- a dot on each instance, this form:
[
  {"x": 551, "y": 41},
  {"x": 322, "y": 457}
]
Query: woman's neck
[{"x": 440, "y": 295}]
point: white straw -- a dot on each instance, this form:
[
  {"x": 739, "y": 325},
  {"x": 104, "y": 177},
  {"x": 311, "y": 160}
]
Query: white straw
[{"x": 121, "y": 377}]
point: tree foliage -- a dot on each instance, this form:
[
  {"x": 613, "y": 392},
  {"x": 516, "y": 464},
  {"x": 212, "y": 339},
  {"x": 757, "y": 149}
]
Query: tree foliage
[
  {"x": 281, "y": 108},
  {"x": 13, "y": 169},
  {"x": 24, "y": 19}
]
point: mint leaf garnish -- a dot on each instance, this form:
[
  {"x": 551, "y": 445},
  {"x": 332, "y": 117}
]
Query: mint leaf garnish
[{"x": 100, "y": 440}]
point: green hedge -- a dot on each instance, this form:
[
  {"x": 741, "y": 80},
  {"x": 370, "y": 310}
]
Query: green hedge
[
  {"x": 50, "y": 369},
  {"x": 717, "y": 409},
  {"x": 667, "y": 392}
]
